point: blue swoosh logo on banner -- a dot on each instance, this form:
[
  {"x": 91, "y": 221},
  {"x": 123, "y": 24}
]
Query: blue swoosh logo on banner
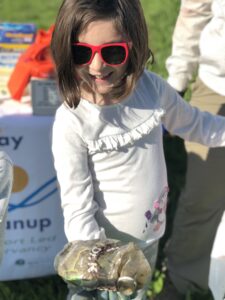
[{"x": 29, "y": 201}]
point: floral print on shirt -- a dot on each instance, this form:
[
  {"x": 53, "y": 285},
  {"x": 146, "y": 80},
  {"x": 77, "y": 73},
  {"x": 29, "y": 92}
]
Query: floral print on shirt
[{"x": 156, "y": 217}]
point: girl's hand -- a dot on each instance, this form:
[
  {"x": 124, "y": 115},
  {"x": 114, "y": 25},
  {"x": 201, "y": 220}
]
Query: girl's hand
[{"x": 104, "y": 265}]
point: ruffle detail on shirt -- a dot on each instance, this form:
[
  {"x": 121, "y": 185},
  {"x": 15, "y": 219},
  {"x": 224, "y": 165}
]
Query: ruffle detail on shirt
[{"x": 114, "y": 142}]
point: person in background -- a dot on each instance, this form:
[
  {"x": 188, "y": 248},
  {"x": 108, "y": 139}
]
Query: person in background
[
  {"x": 108, "y": 133},
  {"x": 6, "y": 179},
  {"x": 198, "y": 49}
]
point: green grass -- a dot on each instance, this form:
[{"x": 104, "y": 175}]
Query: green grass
[
  {"x": 46, "y": 288},
  {"x": 40, "y": 12},
  {"x": 161, "y": 17}
]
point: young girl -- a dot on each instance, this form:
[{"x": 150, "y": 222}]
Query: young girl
[{"x": 107, "y": 135}]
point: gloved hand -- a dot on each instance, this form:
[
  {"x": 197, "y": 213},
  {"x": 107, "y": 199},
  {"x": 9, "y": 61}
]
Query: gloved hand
[{"x": 104, "y": 265}]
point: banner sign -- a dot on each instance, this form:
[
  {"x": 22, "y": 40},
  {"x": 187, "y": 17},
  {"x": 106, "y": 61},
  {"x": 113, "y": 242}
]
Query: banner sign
[{"x": 34, "y": 230}]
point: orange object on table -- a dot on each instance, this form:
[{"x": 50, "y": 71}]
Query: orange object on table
[{"x": 36, "y": 61}]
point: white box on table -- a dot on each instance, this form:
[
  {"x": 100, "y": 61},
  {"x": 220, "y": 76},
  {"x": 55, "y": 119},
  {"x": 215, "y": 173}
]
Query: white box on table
[{"x": 45, "y": 96}]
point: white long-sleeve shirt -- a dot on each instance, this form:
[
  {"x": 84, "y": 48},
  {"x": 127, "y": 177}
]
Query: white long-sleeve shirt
[
  {"x": 110, "y": 162},
  {"x": 199, "y": 45}
]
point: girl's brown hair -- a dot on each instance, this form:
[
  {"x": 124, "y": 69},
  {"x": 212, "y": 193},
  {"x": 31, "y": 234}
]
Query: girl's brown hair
[{"x": 74, "y": 16}]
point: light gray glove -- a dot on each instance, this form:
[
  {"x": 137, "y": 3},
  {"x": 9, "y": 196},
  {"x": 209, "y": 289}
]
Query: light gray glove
[{"x": 104, "y": 265}]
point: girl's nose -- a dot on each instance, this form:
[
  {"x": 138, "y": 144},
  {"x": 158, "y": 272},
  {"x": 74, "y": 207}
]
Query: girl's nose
[{"x": 97, "y": 62}]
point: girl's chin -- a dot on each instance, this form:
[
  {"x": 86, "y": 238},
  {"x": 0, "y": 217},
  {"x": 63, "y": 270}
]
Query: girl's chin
[{"x": 102, "y": 89}]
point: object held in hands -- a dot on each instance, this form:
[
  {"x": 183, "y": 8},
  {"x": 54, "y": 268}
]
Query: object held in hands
[{"x": 106, "y": 265}]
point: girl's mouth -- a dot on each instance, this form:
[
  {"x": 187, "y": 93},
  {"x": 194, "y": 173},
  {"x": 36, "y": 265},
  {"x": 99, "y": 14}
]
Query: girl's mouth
[{"x": 101, "y": 78}]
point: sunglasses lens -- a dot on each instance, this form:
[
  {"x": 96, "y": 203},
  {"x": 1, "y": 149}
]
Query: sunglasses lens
[
  {"x": 81, "y": 54},
  {"x": 114, "y": 55}
]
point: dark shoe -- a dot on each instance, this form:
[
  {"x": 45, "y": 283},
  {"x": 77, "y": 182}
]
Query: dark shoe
[{"x": 169, "y": 292}]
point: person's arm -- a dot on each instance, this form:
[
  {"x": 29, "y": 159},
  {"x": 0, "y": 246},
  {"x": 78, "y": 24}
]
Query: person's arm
[
  {"x": 184, "y": 59},
  {"x": 71, "y": 164},
  {"x": 184, "y": 120},
  {"x": 6, "y": 179},
  {"x": 189, "y": 122}
]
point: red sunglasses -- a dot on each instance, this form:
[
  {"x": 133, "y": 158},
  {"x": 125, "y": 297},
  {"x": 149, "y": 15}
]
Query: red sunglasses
[{"x": 114, "y": 54}]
